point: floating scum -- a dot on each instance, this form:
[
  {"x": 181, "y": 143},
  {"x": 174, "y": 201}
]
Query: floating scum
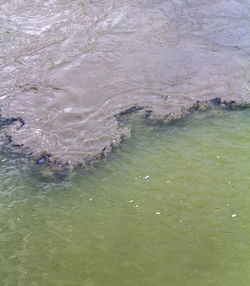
[{"x": 70, "y": 68}]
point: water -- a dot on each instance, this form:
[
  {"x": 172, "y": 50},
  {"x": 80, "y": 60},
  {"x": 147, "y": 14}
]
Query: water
[
  {"x": 170, "y": 206},
  {"x": 68, "y": 67}
]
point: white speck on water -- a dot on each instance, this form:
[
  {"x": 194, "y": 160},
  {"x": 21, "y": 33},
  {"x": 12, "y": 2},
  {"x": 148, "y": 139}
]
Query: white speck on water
[
  {"x": 18, "y": 219},
  {"x": 90, "y": 199},
  {"x": 38, "y": 131},
  {"x": 229, "y": 183},
  {"x": 67, "y": 109},
  {"x": 146, "y": 177},
  {"x": 228, "y": 205},
  {"x": 136, "y": 206},
  {"x": 180, "y": 220},
  {"x": 167, "y": 181},
  {"x": 234, "y": 215},
  {"x": 217, "y": 156},
  {"x": 131, "y": 201},
  {"x": 157, "y": 213},
  {"x": 4, "y": 160}
]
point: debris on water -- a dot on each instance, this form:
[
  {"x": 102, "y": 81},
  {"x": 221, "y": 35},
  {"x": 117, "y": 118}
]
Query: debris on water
[
  {"x": 180, "y": 220},
  {"x": 146, "y": 177},
  {"x": 167, "y": 181},
  {"x": 136, "y": 206},
  {"x": 217, "y": 156},
  {"x": 234, "y": 215},
  {"x": 90, "y": 199},
  {"x": 229, "y": 183},
  {"x": 158, "y": 213},
  {"x": 228, "y": 205},
  {"x": 131, "y": 201}
]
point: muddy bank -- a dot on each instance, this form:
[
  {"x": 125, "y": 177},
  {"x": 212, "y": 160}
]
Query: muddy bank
[{"x": 69, "y": 69}]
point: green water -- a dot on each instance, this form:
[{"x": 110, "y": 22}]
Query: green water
[{"x": 170, "y": 206}]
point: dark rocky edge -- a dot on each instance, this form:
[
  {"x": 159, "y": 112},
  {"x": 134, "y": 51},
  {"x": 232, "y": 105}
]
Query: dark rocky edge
[{"x": 51, "y": 167}]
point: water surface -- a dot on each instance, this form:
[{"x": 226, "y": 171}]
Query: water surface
[
  {"x": 170, "y": 206},
  {"x": 68, "y": 67}
]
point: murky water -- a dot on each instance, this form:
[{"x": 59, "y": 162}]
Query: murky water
[
  {"x": 169, "y": 207},
  {"x": 68, "y": 67}
]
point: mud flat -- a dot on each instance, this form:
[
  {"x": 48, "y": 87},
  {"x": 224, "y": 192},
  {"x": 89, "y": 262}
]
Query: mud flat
[{"x": 70, "y": 69}]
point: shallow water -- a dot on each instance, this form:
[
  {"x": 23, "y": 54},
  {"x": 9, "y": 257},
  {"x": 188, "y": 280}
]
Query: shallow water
[
  {"x": 68, "y": 67},
  {"x": 170, "y": 206}
]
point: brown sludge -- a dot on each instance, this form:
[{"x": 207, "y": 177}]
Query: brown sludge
[{"x": 69, "y": 67}]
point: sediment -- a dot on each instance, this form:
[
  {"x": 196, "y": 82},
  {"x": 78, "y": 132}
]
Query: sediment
[{"x": 72, "y": 72}]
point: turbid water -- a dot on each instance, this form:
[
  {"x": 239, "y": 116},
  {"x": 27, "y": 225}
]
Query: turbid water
[
  {"x": 69, "y": 67},
  {"x": 170, "y": 206}
]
